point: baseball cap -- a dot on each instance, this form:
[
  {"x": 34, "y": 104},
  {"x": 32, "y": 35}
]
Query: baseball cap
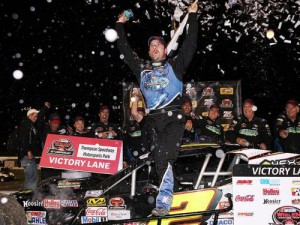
[
  {"x": 30, "y": 111},
  {"x": 158, "y": 38},
  {"x": 54, "y": 118},
  {"x": 293, "y": 102}
]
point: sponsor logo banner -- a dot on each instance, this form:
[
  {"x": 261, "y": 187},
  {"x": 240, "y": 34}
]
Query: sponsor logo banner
[
  {"x": 36, "y": 217},
  {"x": 271, "y": 201},
  {"x": 270, "y": 191},
  {"x": 92, "y": 219},
  {"x": 34, "y": 203},
  {"x": 244, "y": 198},
  {"x": 96, "y": 211},
  {"x": 118, "y": 214},
  {"x": 96, "y": 202},
  {"x": 93, "y": 193},
  {"x": 241, "y": 182},
  {"x": 286, "y": 215},
  {"x": 69, "y": 203},
  {"x": 117, "y": 203},
  {"x": 221, "y": 222},
  {"x": 51, "y": 203},
  {"x": 295, "y": 191},
  {"x": 226, "y": 91}
]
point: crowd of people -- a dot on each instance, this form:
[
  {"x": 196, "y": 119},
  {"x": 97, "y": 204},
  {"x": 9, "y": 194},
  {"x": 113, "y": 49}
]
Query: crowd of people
[
  {"x": 138, "y": 137},
  {"x": 247, "y": 130},
  {"x": 168, "y": 123}
]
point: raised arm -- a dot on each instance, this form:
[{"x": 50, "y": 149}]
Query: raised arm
[{"x": 129, "y": 56}]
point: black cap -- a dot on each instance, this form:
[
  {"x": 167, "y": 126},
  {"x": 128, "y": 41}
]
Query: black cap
[{"x": 159, "y": 38}]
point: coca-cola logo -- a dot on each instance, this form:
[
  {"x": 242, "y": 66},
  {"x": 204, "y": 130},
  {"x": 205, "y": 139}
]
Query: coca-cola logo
[
  {"x": 245, "y": 198},
  {"x": 96, "y": 211}
]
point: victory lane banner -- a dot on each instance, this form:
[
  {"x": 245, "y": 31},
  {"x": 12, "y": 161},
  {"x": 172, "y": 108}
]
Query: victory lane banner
[
  {"x": 265, "y": 194},
  {"x": 82, "y": 154}
]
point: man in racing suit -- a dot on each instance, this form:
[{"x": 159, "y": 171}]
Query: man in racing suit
[
  {"x": 249, "y": 130},
  {"x": 211, "y": 129},
  {"x": 161, "y": 84},
  {"x": 288, "y": 128}
]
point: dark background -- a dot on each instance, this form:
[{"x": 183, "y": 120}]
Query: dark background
[{"x": 60, "y": 47}]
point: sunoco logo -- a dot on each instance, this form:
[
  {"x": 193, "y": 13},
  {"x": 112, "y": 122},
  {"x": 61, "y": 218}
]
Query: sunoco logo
[{"x": 222, "y": 222}]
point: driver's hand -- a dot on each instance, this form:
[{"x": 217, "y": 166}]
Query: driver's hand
[
  {"x": 122, "y": 18},
  {"x": 189, "y": 125}
]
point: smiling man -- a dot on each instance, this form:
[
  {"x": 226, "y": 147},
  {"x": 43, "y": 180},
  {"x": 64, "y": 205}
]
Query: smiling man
[
  {"x": 288, "y": 127},
  {"x": 160, "y": 81},
  {"x": 249, "y": 130},
  {"x": 104, "y": 128}
]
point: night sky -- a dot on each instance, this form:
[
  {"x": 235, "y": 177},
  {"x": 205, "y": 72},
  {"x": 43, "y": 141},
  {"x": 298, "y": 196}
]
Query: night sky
[{"x": 60, "y": 47}]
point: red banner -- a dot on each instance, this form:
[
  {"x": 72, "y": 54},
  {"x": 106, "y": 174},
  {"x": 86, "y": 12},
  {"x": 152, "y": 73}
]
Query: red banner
[{"x": 82, "y": 154}]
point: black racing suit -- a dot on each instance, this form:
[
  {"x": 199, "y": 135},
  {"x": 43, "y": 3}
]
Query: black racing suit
[
  {"x": 210, "y": 130},
  {"x": 292, "y": 142},
  {"x": 256, "y": 131},
  {"x": 161, "y": 85}
]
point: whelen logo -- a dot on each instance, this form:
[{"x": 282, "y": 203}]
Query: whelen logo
[
  {"x": 240, "y": 182},
  {"x": 245, "y": 198},
  {"x": 270, "y": 191}
]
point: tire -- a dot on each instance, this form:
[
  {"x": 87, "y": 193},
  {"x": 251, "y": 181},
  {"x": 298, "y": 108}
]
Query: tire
[{"x": 11, "y": 212}]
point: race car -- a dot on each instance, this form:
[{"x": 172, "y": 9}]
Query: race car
[{"x": 202, "y": 191}]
